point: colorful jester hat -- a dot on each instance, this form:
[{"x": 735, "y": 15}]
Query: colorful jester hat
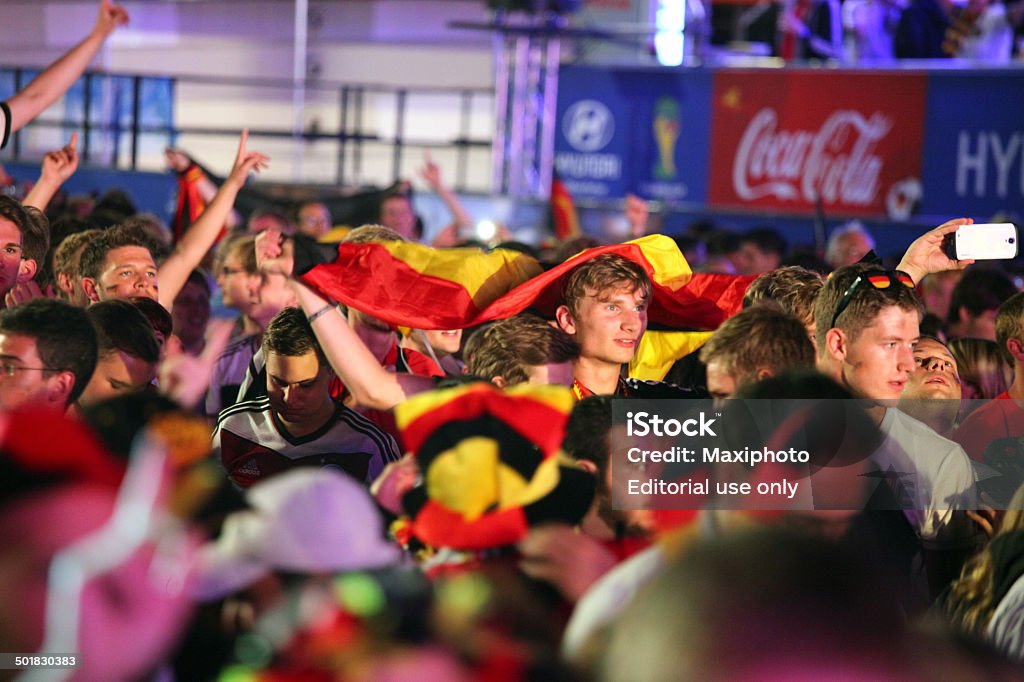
[{"x": 491, "y": 464}]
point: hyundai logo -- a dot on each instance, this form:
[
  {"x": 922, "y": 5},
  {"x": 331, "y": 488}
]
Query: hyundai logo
[{"x": 588, "y": 125}]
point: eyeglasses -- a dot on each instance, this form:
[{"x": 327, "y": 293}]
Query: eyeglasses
[
  {"x": 879, "y": 279},
  {"x": 10, "y": 369}
]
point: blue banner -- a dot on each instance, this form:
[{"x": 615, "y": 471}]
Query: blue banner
[
  {"x": 974, "y": 144},
  {"x": 645, "y": 132}
]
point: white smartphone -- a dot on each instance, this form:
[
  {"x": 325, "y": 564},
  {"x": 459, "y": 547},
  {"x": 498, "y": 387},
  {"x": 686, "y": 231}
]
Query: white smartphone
[{"x": 983, "y": 241}]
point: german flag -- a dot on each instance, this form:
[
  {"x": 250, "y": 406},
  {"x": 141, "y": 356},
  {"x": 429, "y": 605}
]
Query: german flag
[
  {"x": 565, "y": 221},
  {"x": 491, "y": 463},
  {"x": 659, "y": 350},
  {"x": 681, "y": 299},
  {"x": 417, "y": 286},
  {"x": 424, "y": 288}
]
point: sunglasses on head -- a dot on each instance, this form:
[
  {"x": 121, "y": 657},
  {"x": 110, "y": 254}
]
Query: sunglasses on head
[{"x": 879, "y": 279}]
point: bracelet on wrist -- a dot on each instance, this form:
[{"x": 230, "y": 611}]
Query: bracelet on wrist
[{"x": 326, "y": 309}]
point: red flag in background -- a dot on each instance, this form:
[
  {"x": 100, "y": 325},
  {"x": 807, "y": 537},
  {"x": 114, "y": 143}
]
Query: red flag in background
[
  {"x": 190, "y": 204},
  {"x": 565, "y": 222}
]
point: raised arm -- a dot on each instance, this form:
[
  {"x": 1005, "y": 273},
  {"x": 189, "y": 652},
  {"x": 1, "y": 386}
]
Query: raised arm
[
  {"x": 431, "y": 174},
  {"x": 57, "y": 167},
  {"x": 55, "y": 80},
  {"x": 925, "y": 254},
  {"x": 370, "y": 384},
  {"x": 199, "y": 238},
  {"x": 179, "y": 162}
]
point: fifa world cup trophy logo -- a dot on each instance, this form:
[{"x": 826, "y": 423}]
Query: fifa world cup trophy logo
[{"x": 666, "y": 133}]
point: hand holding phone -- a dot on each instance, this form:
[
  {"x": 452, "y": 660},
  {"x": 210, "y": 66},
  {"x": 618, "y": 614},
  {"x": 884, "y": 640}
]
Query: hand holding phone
[{"x": 982, "y": 241}]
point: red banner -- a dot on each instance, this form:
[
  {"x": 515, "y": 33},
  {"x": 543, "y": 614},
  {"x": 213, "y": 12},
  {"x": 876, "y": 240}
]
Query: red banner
[{"x": 782, "y": 140}]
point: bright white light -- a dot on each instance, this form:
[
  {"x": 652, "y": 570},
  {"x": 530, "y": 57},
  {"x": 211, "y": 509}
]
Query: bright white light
[
  {"x": 670, "y": 20},
  {"x": 485, "y": 230}
]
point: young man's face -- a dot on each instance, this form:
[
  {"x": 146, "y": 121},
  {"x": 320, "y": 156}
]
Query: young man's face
[
  {"x": 608, "y": 325},
  {"x": 443, "y": 341},
  {"x": 396, "y": 213},
  {"x": 191, "y": 313},
  {"x": 981, "y": 327},
  {"x": 935, "y": 374},
  {"x": 751, "y": 260},
  {"x": 314, "y": 220},
  {"x": 238, "y": 287},
  {"x": 272, "y": 295},
  {"x": 297, "y": 386},
  {"x": 722, "y": 383},
  {"x": 29, "y": 385},
  {"x": 878, "y": 363},
  {"x": 127, "y": 271},
  {"x": 118, "y": 373},
  {"x": 10, "y": 255}
]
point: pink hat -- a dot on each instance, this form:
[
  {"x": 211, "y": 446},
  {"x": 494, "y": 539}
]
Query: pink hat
[{"x": 306, "y": 520}]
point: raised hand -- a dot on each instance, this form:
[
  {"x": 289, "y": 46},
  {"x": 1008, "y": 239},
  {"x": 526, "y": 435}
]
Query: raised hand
[
  {"x": 176, "y": 159},
  {"x": 61, "y": 164},
  {"x": 246, "y": 162},
  {"x": 110, "y": 17},
  {"x": 431, "y": 172},
  {"x": 925, "y": 254},
  {"x": 274, "y": 252},
  {"x": 22, "y": 292}
]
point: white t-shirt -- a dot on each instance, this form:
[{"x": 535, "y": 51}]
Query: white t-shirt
[{"x": 936, "y": 478}]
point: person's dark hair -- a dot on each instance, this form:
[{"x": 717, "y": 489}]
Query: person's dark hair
[
  {"x": 65, "y": 337},
  {"x": 979, "y": 291},
  {"x": 95, "y": 252},
  {"x": 120, "y": 326},
  {"x": 117, "y": 204},
  {"x": 36, "y": 237},
  {"x": 722, "y": 243},
  {"x": 159, "y": 318},
  {"x": 578, "y": 244},
  {"x": 275, "y": 212},
  {"x": 864, "y": 306},
  {"x": 766, "y": 239},
  {"x": 290, "y": 334},
  {"x": 587, "y": 431},
  {"x": 13, "y": 211},
  {"x": 198, "y": 277}
]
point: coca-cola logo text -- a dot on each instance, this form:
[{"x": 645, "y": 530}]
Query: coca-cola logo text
[{"x": 835, "y": 163}]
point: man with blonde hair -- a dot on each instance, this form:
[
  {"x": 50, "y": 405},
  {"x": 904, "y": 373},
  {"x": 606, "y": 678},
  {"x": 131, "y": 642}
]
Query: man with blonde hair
[
  {"x": 791, "y": 289},
  {"x": 752, "y": 345}
]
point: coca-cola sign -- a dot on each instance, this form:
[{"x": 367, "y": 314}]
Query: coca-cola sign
[{"x": 787, "y": 140}]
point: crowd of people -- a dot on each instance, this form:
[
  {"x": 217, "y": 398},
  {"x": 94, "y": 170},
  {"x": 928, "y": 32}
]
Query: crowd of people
[
  {"x": 875, "y": 32},
  {"x": 398, "y": 461}
]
